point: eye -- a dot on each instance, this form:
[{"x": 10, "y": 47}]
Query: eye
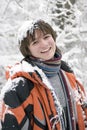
[
  {"x": 47, "y": 36},
  {"x": 34, "y": 42}
]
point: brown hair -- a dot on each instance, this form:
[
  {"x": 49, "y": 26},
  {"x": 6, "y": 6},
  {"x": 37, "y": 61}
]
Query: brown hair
[{"x": 44, "y": 27}]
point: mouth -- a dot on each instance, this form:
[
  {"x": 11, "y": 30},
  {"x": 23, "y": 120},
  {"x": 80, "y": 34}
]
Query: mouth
[{"x": 46, "y": 50}]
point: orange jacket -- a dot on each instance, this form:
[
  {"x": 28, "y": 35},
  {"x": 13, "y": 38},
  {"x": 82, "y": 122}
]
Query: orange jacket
[{"x": 37, "y": 109}]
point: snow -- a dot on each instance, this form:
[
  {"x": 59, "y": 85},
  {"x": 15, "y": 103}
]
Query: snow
[
  {"x": 10, "y": 85},
  {"x": 71, "y": 41},
  {"x": 22, "y": 32}
]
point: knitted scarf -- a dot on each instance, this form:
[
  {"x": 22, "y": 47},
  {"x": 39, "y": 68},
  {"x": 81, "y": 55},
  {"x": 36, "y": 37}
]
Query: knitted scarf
[{"x": 49, "y": 67}]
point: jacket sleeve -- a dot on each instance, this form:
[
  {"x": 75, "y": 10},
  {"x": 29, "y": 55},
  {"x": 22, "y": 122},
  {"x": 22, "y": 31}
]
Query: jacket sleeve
[
  {"x": 14, "y": 110},
  {"x": 83, "y": 103},
  {"x": 83, "y": 93}
]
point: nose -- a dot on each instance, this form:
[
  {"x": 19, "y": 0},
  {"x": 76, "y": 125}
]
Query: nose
[{"x": 43, "y": 43}]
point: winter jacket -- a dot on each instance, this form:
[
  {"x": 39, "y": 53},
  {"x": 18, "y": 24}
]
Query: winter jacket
[{"x": 28, "y": 102}]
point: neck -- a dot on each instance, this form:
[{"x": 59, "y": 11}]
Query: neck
[{"x": 49, "y": 67}]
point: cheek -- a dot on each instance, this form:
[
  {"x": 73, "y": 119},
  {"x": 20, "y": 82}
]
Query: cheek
[
  {"x": 30, "y": 49},
  {"x": 51, "y": 41},
  {"x": 53, "y": 44},
  {"x": 34, "y": 50}
]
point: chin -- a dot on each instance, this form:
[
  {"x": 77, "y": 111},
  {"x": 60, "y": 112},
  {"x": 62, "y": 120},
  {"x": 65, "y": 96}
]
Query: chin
[{"x": 49, "y": 58}]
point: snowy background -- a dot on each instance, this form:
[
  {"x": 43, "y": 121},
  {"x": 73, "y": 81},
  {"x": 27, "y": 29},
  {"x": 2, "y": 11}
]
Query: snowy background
[{"x": 67, "y": 17}]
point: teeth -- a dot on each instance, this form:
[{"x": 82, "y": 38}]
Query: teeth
[{"x": 45, "y": 50}]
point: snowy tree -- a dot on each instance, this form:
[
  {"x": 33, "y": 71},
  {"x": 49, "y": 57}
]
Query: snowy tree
[{"x": 68, "y": 18}]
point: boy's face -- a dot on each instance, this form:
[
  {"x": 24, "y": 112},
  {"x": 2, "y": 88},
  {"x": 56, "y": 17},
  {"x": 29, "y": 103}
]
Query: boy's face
[{"x": 43, "y": 47}]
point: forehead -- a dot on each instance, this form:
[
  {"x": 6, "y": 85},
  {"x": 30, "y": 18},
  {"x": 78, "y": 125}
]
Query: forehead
[{"x": 39, "y": 33}]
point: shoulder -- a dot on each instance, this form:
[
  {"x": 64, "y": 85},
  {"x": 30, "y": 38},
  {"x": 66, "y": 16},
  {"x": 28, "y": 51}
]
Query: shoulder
[
  {"x": 66, "y": 67},
  {"x": 16, "y": 91}
]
